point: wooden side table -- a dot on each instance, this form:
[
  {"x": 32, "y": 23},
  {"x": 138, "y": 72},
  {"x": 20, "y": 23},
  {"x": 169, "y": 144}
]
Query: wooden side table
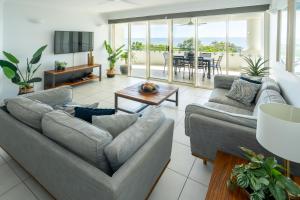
[{"x": 223, "y": 166}]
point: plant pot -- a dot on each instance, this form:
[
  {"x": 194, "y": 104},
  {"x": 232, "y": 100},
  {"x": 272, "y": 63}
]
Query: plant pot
[
  {"x": 110, "y": 73},
  {"x": 124, "y": 69},
  {"x": 26, "y": 90}
]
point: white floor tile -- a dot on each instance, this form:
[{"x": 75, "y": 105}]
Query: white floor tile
[
  {"x": 168, "y": 187},
  {"x": 7, "y": 179},
  {"x": 19, "y": 192},
  {"x": 38, "y": 190},
  {"x": 193, "y": 191},
  {"x": 181, "y": 159},
  {"x": 179, "y": 135},
  {"x": 201, "y": 173}
]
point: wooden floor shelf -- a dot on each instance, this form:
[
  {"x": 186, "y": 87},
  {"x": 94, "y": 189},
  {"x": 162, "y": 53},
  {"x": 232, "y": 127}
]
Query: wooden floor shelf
[{"x": 71, "y": 76}]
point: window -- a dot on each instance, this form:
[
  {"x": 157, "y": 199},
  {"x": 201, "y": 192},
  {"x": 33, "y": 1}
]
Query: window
[
  {"x": 297, "y": 46},
  {"x": 283, "y": 36}
]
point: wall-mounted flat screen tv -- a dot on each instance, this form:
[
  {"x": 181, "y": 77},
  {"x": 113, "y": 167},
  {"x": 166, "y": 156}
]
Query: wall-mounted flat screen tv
[{"x": 73, "y": 41}]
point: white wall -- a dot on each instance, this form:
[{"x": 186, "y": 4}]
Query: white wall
[
  {"x": 186, "y": 7},
  {"x": 23, "y": 35}
]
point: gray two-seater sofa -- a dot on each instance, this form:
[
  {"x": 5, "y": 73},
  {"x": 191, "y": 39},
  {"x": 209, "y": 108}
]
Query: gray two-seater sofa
[
  {"x": 68, "y": 177},
  {"x": 223, "y": 124}
]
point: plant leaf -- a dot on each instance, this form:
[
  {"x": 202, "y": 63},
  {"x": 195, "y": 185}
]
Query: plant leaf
[
  {"x": 37, "y": 55},
  {"x": 289, "y": 185},
  {"x": 16, "y": 79},
  {"x": 11, "y": 57},
  {"x": 35, "y": 80},
  {"x": 277, "y": 192},
  {"x": 9, "y": 73},
  {"x": 4, "y": 63}
]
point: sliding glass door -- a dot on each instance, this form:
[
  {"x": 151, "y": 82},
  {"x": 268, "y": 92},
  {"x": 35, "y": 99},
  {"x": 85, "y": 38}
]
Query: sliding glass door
[
  {"x": 211, "y": 49},
  {"x": 184, "y": 50},
  {"x": 138, "y": 49},
  {"x": 196, "y": 48},
  {"x": 159, "y": 49}
]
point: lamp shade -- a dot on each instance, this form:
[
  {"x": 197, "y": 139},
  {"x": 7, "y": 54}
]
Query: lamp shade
[{"x": 278, "y": 130}]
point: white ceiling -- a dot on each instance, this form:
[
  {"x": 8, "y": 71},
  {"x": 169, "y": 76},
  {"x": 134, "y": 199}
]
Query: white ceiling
[{"x": 101, "y": 6}]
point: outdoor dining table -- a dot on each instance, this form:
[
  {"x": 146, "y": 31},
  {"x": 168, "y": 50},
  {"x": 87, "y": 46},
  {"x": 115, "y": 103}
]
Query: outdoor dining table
[{"x": 208, "y": 60}]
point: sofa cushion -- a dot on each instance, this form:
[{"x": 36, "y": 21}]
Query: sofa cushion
[
  {"x": 130, "y": 140},
  {"x": 78, "y": 136},
  {"x": 87, "y": 113},
  {"x": 268, "y": 84},
  {"x": 115, "y": 124},
  {"x": 268, "y": 96},
  {"x": 243, "y": 91},
  {"x": 227, "y": 108},
  {"x": 252, "y": 79},
  {"x": 218, "y": 95},
  {"x": 28, "y": 111},
  {"x": 53, "y": 97}
]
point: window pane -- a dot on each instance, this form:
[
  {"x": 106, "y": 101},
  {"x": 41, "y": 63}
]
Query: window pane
[
  {"x": 297, "y": 52},
  {"x": 283, "y": 38}
]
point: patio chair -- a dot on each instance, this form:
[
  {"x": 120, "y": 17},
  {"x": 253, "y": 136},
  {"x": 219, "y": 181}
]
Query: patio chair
[
  {"x": 178, "y": 63},
  {"x": 217, "y": 64},
  {"x": 202, "y": 65},
  {"x": 166, "y": 59},
  {"x": 190, "y": 62}
]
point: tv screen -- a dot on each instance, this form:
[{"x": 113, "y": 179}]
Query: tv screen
[{"x": 73, "y": 41}]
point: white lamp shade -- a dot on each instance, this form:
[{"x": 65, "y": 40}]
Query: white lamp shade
[{"x": 278, "y": 130}]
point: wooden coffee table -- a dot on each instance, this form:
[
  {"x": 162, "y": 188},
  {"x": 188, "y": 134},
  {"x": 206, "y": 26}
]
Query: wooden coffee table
[
  {"x": 132, "y": 93},
  {"x": 217, "y": 189}
]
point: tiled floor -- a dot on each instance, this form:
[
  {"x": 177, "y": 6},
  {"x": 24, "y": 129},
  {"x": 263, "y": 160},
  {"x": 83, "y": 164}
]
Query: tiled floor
[{"x": 186, "y": 178}]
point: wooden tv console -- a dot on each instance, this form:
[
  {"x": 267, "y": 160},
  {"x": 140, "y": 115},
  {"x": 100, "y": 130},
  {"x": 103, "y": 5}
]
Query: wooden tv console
[{"x": 71, "y": 76}]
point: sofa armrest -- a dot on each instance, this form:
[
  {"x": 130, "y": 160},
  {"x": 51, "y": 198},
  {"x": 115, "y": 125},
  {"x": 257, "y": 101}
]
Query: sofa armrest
[
  {"x": 242, "y": 120},
  {"x": 224, "y": 81},
  {"x": 138, "y": 175}
]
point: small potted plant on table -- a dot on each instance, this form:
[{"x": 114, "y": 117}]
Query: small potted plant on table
[
  {"x": 261, "y": 179},
  {"x": 113, "y": 57},
  {"x": 25, "y": 80}
]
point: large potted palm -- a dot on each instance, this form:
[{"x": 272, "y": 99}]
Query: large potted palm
[
  {"x": 255, "y": 67},
  {"x": 113, "y": 57},
  {"x": 24, "y": 79}
]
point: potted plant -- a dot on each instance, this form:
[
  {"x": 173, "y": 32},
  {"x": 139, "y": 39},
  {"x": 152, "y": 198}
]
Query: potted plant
[
  {"x": 255, "y": 67},
  {"x": 124, "y": 68},
  {"x": 262, "y": 179},
  {"x": 60, "y": 66},
  {"x": 24, "y": 80},
  {"x": 113, "y": 57}
]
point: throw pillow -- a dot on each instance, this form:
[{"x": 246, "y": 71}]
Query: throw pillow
[
  {"x": 81, "y": 138},
  {"x": 130, "y": 141},
  {"x": 87, "y": 113},
  {"x": 115, "y": 124},
  {"x": 243, "y": 91},
  {"x": 70, "y": 107}
]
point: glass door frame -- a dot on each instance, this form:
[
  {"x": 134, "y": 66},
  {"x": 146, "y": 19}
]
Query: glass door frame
[{"x": 170, "y": 24}]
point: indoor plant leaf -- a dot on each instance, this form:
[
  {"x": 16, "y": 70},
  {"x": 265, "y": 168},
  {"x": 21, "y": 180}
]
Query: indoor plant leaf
[
  {"x": 9, "y": 73},
  {"x": 4, "y": 63},
  {"x": 37, "y": 55},
  {"x": 277, "y": 192},
  {"x": 11, "y": 57},
  {"x": 34, "y": 80}
]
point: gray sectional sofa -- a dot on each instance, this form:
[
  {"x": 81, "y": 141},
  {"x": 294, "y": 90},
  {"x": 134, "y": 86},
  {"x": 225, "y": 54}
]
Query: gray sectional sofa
[
  {"x": 225, "y": 124},
  {"x": 64, "y": 173}
]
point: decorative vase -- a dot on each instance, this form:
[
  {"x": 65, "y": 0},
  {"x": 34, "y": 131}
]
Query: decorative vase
[
  {"x": 26, "y": 90},
  {"x": 90, "y": 58},
  {"x": 124, "y": 69}
]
